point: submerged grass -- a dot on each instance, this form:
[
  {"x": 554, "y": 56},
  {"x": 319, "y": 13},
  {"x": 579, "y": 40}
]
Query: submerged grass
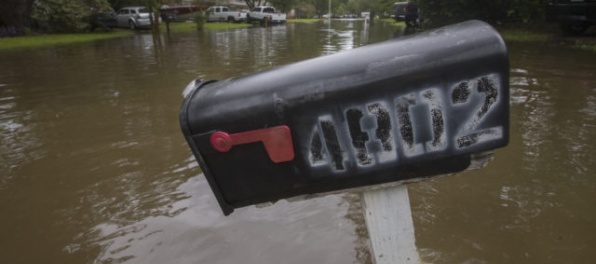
[
  {"x": 517, "y": 35},
  {"x": 585, "y": 46},
  {"x": 392, "y": 22},
  {"x": 57, "y": 39},
  {"x": 189, "y": 26},
  {"x": 549, "y": 37},
  {"x": 304, "y": 20},
  {"x": 34, "y": 41}
]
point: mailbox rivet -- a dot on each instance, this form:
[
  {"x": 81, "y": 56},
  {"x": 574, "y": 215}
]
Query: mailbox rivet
[{"x": 221, "y": 141}]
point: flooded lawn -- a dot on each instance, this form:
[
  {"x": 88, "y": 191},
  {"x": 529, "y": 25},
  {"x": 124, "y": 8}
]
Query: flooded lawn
[{"x": 94, "y": 167}]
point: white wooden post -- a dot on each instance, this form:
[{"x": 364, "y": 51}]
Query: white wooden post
[
  {"x": 389, "y": 218},
  {"x": 390, "y": 226}
]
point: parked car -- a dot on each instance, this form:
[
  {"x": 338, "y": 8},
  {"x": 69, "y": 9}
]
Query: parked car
[
  {"x": 574, "y": 16},
  {"x": 222, "y": 13},
  {"x": 134, "y": 17},
  {"x": 179, "y": 12},
  {"x": 105, "y": 20},
  {"x": 265, "y": 13},
  {"x": 407, "y": 12}
]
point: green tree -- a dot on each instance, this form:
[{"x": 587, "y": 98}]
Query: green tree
[
  {"x": 284, "y": 5},
  {"x": 375, "y": 7},
  {"x": 321, "y": 6},
  {"x": 352, "y": 7},
  {"x": 437, "y": 13},
  {"x": 117, "y": 4},
  {"x": 62, "y": 15},
  {"x": 305, "y": 10},
  {"x": 253, "y": 3}
]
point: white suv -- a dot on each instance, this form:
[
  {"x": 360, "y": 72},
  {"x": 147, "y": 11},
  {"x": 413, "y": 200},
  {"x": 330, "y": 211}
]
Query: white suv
[{"x": 134, "y": 17}]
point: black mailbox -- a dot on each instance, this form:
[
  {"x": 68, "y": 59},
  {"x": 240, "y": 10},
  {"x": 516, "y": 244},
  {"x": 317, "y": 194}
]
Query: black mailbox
[{"x": 402, "y": 109}]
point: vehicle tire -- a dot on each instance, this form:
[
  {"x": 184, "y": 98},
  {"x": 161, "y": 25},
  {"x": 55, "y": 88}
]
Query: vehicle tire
[
  {"x": 132, "y": 25},
  {"x": 411, "y": 21},
  {"x": 573, "y": 28},
  {"x": 231, "y": 20}
]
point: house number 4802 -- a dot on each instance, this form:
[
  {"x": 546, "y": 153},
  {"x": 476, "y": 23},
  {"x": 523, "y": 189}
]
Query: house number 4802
[{"x": 384, "y": 130}]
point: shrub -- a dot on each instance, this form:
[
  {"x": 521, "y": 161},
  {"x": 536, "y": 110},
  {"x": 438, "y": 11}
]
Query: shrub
[{"x": 438, "y": 13}]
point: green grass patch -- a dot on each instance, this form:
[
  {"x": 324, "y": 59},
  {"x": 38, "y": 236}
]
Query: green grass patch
[
  {"x": 516, "y": 35},
  {"x": 304, "y": 20},
  {"x": 34, "y": 41},
  {"x": 585, "y": 46},
  {"x": 521, "y": 35},
  {"x": 392, "y": 22},
  {"x": 190, "y": 26},
  {"x": 216, "y": 25}
]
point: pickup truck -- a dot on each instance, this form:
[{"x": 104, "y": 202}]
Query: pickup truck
[
  {"x": 265, "y": 14},
  {"x": 574, "y": 16},
  {"x": 408, "y": 12},
  {"x": 222, "y": 14}
]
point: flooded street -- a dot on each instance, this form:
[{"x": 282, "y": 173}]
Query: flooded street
[{"x": 94, "y": 167}]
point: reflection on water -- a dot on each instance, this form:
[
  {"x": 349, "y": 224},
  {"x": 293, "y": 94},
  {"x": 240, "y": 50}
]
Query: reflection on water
[
  {"x": 200, "y": 233},
  {"x": 94, "y": 169},
  {"x": 338, "y": 39},
  {"x": 533, "y": 204}
]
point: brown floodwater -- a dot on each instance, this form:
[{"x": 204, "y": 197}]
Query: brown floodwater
[{"x": 94, "y": 168}]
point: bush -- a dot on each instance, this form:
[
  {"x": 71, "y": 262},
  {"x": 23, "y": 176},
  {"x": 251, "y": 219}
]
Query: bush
[
  {"x": 10, "y": 31},
  {"x": 438, "y": 13},
  {"x": 60, "y": 16}
]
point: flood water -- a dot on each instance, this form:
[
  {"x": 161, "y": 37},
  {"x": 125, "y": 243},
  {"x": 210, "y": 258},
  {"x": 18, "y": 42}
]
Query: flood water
[{"x": 94, "y": 168}]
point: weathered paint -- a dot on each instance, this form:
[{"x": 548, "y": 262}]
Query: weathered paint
[{"x": 406, "y": 126}]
